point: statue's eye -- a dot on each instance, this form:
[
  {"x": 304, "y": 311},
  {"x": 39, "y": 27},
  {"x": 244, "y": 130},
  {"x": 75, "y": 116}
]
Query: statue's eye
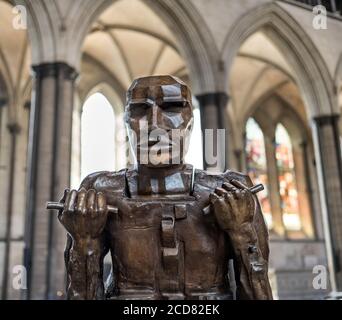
[
  {"x": 177, "y": 106},
  {"x": 138, "y": 109}
]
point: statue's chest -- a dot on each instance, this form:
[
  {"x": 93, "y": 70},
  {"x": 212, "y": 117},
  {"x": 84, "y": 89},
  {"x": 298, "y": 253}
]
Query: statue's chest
[
  {"x": 172, "y": 219},
  {"x": 166, "y": 239},
  {"x": 143, "y": 212}
]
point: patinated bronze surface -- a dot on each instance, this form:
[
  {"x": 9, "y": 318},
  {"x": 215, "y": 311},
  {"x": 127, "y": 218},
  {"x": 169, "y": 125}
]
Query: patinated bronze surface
[{"x": 162, "y": 244}]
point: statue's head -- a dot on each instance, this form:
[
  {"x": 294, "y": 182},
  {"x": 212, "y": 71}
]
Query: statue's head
[{"x": 159, "y": 120}]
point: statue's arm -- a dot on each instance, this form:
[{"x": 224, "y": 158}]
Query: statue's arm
[
  {"x": 250, "y": 251},
  {"x": 239, "y": 214},
  {"x": 84, "y": 217},
  {"x": 84, "y": 267}
]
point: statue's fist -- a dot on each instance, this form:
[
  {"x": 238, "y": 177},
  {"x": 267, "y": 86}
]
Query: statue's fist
[
  {"x": 233, "y": 205},
  {"x": 84, "y": 214}
]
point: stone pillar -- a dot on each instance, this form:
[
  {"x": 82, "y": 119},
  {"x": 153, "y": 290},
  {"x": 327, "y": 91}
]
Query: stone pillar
[
  {"x": 303, "y": 183},
  {"x": 240, "y": 159},
  {"x": 49, "y": 158},
  {"x": 329, "y": 161},
  {"x": 14, "y": 130},
  {"x": 213, "y": 116},
  {"x": 273, "y": 187}
]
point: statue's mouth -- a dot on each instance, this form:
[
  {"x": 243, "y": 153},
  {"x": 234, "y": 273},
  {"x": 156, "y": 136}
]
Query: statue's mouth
[
  {"x": 152, "y": 143},
  {"x": 161, "y": 147},
  {"x": 161, "y": 141}
]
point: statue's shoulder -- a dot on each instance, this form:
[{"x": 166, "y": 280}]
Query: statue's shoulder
[
  {"x": 115, "y": 180},
  {"x": 212, "y": 179}
]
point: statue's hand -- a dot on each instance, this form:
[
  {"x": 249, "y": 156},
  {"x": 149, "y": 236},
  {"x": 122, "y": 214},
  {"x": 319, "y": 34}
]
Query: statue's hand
[
  {"x": 85, "y": 213},
  {"x": 233, "y": 205}
]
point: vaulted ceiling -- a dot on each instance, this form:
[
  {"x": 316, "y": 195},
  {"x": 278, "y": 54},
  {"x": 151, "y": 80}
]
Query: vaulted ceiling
[
  {"x": 260, "y": 70},
  {"x": 15, "y": 56},
  {"x": 130, "y": 40}
]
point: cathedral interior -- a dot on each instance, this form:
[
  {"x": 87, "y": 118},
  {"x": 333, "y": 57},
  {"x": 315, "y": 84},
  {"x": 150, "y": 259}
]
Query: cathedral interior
[{"x": 257, "y": 68}]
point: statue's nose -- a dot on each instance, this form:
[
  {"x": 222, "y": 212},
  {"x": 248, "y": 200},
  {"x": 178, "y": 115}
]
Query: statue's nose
[{"x": 155, "y": 118}]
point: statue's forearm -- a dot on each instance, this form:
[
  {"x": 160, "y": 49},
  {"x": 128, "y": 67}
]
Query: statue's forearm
[
  {"x": 84, "y": 270},
  {"x": 251, "y": 273}
]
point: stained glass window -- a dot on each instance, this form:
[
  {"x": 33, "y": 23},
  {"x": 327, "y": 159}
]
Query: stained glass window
[
  {"x": 257, "y": 166},
  {"x": 287, "y": 180}
]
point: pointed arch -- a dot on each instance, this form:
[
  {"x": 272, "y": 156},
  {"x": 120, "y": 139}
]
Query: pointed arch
[
  {"x": 196, "y": 43},
  {"x": 99, "y": 76},
  {"x": 97, "y": 125},
  {"x": 309, "y": 68},
  {"x": 105, "y": 97},
  {"x": 110, "y": 94}
]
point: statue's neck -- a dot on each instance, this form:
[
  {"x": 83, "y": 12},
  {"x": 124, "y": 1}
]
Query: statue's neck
[
  {"x": 156, "y": 172},
  {"x": 166, "y": 181}
]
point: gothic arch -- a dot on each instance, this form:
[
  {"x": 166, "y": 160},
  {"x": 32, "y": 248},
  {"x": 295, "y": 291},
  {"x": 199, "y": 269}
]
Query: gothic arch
[
  {"x": 195, "y": 42},
  {"x": 57, "y": 38},
  {"x": 310, "y": 71},
  {"x": 111, "y": 95},
  {"x": 298, "y": 130},
  {"x": 99, "y": 75}
]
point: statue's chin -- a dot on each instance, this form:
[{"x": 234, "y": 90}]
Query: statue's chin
[
  {"x": 150, "y": 165},
  {"x": 162, "y": 163},
  {"x": 168, "y": 157}
]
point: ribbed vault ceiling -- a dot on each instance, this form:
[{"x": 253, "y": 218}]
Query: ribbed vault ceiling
[
  {"x": 130, "y": 40},
  {"x": 14, "y": 54},
  {"x": 258, "y": 71}
]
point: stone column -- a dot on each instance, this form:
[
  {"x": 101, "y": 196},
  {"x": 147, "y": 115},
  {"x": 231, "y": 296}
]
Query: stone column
[
  {"x": 330, "y": 173},
  {"x": 303, "y": 183},
  {"x": 49, "y": 158},
  {"x": 213, "y": 116},
  {"x": 273, "y": 186},
  {"x": 13, "y": 130},
  {"x": 240, "y": 158}
]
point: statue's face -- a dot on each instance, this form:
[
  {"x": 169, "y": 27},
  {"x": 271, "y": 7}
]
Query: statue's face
[{"x": 159, "y": 119}]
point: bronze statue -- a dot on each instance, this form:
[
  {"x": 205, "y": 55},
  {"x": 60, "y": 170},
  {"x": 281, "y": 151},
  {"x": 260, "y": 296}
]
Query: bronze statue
[{"x": 164, "y": 240}]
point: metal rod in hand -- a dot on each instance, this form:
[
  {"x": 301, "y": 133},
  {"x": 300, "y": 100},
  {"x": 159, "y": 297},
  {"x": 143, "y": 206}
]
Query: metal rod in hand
[
  {"x": 60, "y": 206},
  {"x": 111, "y": 209},
  {"x": 255, "y": 189}
]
